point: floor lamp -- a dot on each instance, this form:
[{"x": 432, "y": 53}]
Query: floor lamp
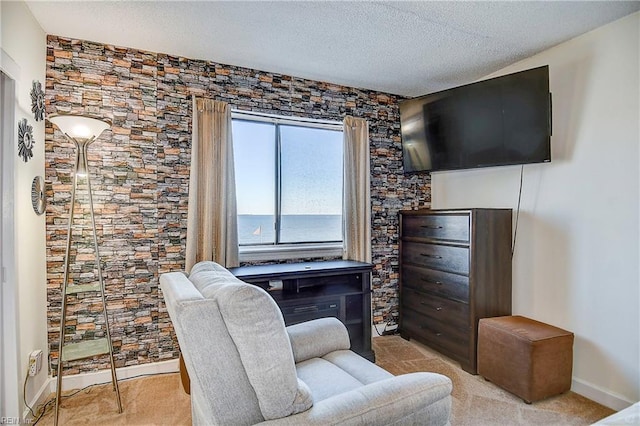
[{"x": 82, "y": 131}]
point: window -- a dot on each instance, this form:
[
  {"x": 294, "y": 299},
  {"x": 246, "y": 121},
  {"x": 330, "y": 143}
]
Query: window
[{"x": 288, "y": 184}]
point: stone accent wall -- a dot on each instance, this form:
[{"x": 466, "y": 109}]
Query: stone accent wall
[{"x": 140, "y": 172}]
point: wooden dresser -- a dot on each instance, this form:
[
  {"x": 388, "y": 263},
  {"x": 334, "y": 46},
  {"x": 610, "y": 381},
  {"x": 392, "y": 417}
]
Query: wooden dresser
[{"x": 455, "y": 268}]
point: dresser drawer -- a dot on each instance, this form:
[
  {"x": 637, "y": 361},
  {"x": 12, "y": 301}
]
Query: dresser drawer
[
  {"x": 439, "y": 335},
  {"x": 435, "y": 256},
  {"x": 438, "y": 308},
  {"x": 439, "y": 227},
  {"x": 443, "y": 283}
]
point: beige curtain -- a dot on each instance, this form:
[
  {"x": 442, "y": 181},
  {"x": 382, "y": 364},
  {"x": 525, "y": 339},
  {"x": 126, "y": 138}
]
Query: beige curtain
[
  {"x": 212, "y": 232},
  {"x": 356, "y": 197}
]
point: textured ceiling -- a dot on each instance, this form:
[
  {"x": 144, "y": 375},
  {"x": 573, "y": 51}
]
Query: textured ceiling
[{"x": 401, "y": 47}]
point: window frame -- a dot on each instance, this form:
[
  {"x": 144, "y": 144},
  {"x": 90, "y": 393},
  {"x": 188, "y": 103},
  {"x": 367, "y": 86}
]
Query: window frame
[{"x": 284, "y": 251}]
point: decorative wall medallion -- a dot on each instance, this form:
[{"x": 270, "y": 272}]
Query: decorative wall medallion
[
  {"x": 37, "y": 101},
  {"x": 25, "y": 140},
  {"x": 38, "y": 200}
]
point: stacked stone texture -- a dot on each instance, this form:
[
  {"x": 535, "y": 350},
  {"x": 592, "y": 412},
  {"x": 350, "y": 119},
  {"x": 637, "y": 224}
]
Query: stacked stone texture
[{"x": 140, "y": 179}]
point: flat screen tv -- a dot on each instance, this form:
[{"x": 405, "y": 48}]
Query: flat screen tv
[{"x": 502, "y": 121}]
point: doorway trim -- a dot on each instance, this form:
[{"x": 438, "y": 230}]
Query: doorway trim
[{"x": 9, "y": 363}]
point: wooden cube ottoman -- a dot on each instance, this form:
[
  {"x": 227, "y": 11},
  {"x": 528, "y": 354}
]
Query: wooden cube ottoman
[{"x": 528, "y": 358}]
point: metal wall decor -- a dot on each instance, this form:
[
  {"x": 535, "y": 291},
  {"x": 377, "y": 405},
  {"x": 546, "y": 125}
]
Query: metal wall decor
[
  {"x": 25, "y": 140},
  {"x": 37, "y": 100},
  {"x": 38, "y": 200}
]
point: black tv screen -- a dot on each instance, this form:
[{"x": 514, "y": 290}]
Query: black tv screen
[{"x": 501, "y": 121}]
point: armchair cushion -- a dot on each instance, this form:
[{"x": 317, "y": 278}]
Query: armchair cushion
[
  {"x": 357, "y": 366},
  {"x": 317, "y": 338},
  {"x": 410, "y": 399},
  {"x": 265, "y": 341}
]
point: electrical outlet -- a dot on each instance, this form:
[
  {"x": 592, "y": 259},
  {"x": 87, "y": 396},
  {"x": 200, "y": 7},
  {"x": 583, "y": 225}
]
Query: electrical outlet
[
  {"x": 35, "y": 362},
  {"x": 390, "y": 329}
]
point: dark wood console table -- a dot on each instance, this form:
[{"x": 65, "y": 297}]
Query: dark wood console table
[{"x": 310, "y": 290}]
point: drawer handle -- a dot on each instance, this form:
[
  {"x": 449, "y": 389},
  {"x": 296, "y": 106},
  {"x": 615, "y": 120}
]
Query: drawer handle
[
  {"x": 427, "y": 280},
  {"x": 439, "y": 308},
  {"x": 437, "y": 333},
  {"x": 431, "y": 227},
  {"x": 433, "y": 256}
]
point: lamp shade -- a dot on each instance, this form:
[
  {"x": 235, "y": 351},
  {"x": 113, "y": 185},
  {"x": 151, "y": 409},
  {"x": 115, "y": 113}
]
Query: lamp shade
[{"x": 79, "y": 127}]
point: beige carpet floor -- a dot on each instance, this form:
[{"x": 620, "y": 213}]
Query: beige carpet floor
[
  {"x": 153, "y": 400},
  {"x": 160, "y": 400},
  {"x": 478, "y": 402}
]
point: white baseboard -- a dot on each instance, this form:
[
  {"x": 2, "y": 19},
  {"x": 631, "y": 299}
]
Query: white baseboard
[
  {"x": 39, "y": 398},
  {"x": 79, "y": 381},
  {"x": 379, "y": 328},
  {"x": 599, "y": 395}
]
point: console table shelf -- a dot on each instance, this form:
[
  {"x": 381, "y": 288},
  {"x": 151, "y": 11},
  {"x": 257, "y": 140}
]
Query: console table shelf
[{"x": 310, "y": 290}]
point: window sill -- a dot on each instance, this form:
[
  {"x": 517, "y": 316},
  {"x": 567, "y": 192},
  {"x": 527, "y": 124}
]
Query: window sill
[{"x": 285, "y": 252}]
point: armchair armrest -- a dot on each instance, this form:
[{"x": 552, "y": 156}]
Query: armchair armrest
[
  {"x": 318, "y": 337},
  {"x": 416, "y": 398}
]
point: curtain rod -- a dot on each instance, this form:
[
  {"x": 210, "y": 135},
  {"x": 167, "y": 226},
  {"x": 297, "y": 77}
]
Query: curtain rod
[
  {"x": 280, "y": 117},
  {"x": 295, "y": 118}
]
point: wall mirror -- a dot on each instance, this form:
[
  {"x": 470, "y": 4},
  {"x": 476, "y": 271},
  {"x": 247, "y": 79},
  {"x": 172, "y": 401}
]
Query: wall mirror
[{"x": 38, "y": 200}]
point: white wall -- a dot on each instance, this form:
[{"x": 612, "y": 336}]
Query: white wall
[
  {"x": 576, "y": 257},
  {"x": 25, "y": 42}
]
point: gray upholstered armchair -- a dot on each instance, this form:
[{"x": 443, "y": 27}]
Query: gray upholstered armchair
[{"x": 246, "y": 367}]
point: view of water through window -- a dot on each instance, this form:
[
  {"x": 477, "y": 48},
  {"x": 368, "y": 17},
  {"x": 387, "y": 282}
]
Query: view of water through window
[
  {"x": 260, "y": 229},
  {"x": 295, "y": 168}
]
